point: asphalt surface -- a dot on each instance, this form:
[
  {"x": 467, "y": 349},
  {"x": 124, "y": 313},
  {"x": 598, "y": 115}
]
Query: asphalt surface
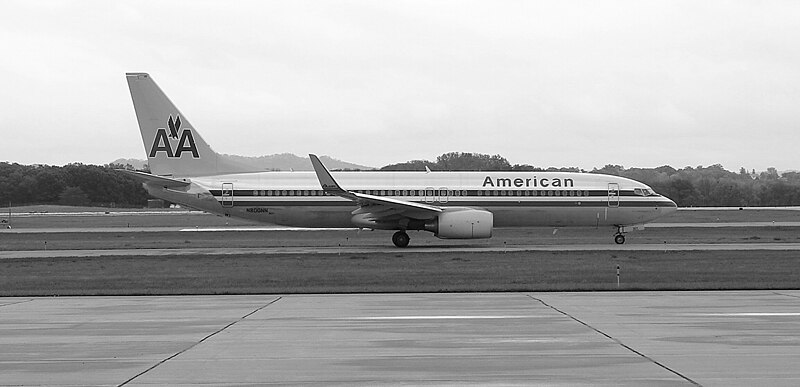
[
  {"x": 267, "y": 228},
  {"x": 266, "y": 251}
]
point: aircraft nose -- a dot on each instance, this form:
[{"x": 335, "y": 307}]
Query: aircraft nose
[{"x": 669, "y": 207}]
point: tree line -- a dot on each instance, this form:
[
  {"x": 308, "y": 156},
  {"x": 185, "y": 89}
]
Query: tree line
[
  {"x": 711, "y": 186},
  {"x": 73, "y": 184},
  {"x": 80, "y": 185}
]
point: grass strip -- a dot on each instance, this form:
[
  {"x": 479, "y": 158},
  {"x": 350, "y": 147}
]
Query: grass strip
[{"x": 400, "y": 272}]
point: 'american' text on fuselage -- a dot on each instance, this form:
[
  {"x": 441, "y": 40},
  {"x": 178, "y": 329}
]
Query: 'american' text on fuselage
[{"x": 527, "y": 182}]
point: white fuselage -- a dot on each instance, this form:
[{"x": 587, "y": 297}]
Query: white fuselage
[{"x": 517, "y": 199}]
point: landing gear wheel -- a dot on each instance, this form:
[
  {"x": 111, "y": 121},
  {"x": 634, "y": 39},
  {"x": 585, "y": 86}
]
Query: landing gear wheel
[
  {"x": 400, "y": 239},
  {"x": 619, "y": 239}
]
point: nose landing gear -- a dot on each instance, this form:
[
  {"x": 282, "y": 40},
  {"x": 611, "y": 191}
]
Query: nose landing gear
[{"x": 619, "y": 237}]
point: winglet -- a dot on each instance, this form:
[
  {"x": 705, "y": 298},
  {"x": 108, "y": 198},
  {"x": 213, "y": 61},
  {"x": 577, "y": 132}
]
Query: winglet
[{"x": 325, "y": 179}]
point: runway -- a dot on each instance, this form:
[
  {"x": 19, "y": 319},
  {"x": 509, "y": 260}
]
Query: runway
[
  {"x": 610, "y": 338},
  {"x": 274, "y": 228},
  {"x": 267, "y": 251}
]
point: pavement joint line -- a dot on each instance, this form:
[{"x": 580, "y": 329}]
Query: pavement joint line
[
  {"x": 648, "y": 358},
  {"x": 16, "y": 303},
  {"x": 787, "y": 295},
  {"x": 200, "y": 342}
]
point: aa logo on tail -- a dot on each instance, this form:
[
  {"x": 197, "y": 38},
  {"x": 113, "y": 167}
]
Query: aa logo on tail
[{"x": 163, "y": 141}]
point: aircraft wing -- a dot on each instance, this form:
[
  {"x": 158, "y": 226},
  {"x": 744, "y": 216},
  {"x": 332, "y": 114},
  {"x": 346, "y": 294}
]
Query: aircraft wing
[
  {"x": 161, "y": 181},
  {"x": 375, "y": 207}
]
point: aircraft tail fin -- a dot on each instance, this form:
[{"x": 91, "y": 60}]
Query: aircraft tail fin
[{"x": 173, "y": 145}]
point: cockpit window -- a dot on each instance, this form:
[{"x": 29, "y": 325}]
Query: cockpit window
[{"x": 643, "y": 192}]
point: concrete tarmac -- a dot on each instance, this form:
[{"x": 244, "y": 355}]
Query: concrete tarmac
[
  {"x": 613, "y": 338},
  {"x": 210, "y": 251}
]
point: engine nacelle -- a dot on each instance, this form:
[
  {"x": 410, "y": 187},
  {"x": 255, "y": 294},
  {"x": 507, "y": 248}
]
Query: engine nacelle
[{"x": 466, "y": 223}]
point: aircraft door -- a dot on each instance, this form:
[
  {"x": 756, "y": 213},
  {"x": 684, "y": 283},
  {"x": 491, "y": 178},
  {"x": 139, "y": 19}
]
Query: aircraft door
[
  {"x": 613, "y": 194},
  {"x": 227, "y": 195}
]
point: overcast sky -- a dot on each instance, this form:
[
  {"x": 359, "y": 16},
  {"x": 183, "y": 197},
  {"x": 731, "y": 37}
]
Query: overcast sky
[{"x": 547, "y": 83}]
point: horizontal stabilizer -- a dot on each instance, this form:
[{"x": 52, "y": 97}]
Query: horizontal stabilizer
[{"x": 155, "y": 180}]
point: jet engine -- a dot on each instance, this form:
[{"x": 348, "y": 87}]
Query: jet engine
[{"x": 462, "y": 223}]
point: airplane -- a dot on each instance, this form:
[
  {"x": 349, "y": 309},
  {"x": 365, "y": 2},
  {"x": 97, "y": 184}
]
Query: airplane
[{"x": 451, "y": 205}]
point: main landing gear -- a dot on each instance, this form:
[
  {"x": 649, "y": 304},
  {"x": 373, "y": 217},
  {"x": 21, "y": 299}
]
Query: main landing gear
[
  {"x": 619, "y": 237},
  {"x": 400, "y": 239}
]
